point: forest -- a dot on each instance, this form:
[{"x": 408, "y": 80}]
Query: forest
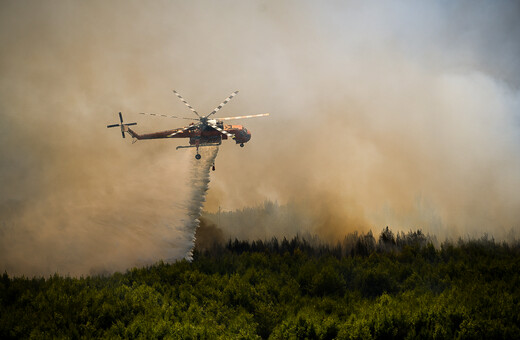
[{"x": 389, "y": 286}]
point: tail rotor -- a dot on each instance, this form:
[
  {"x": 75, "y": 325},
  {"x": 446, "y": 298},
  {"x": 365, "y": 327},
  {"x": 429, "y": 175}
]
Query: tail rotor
[{"x": 122, "y": 125}]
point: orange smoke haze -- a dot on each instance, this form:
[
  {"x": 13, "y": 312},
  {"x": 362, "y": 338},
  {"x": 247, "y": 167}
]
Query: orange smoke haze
[{"x": 402, "y": 114}]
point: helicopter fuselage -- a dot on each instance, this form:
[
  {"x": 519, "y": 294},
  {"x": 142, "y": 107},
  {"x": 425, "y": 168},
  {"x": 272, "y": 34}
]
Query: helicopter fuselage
[{"x": 199, "y": 135}]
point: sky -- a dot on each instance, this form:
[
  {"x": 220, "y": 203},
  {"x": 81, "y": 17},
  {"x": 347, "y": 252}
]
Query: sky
[{"x": 397, "y": 113}]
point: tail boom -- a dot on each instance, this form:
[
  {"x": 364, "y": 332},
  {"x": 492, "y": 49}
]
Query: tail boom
[{"x": 156, "y": 135}]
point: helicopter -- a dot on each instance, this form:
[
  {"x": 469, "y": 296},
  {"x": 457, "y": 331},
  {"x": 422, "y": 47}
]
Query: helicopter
[{"x": 203, "y": 132}]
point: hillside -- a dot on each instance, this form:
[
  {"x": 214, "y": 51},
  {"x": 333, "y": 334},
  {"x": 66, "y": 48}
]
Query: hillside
[{"x": 392, "y": 287}]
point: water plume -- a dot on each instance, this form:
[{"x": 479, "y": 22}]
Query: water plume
[{"x": 199, "y": 186}]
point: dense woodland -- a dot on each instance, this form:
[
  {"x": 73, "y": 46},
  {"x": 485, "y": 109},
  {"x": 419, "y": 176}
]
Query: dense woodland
[{"x": 390, "y": 286}]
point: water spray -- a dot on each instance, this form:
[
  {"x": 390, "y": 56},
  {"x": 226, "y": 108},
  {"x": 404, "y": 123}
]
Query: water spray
[{"x": 199, "y": 181}]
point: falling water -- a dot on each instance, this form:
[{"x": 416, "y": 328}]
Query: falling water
[{"x": 199, "y": 181}]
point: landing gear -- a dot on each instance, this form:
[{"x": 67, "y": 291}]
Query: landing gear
[
  {"x": 197, "y": 156},
  {"x": 242, "y": 145}
]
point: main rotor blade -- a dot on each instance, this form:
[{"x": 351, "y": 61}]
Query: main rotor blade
[
  {"x": 244, "y": 117},
  {"x": 186, "y": 103},
  {"x": 160, "y": 115},
  {"x": 131, "y": 124},
  {"x": 222, "y": 131},
  {"x": 112, "y": 125},
  {"x": 223, "y": 103},
  {"x": 184, "y": 129},
  {"x": 121, "y": 117},
  {"x": 123, "y": 133}
]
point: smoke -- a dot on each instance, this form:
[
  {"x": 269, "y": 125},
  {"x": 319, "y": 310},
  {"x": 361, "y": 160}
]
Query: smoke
[
  {"x": 208, "y": 235},
  {"x": 403, "y": 114},
  {"x": 100, "y": 230}
]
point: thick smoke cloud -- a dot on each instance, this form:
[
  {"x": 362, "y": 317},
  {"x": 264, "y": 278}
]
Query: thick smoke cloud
[{"x": 399, "y": 114}]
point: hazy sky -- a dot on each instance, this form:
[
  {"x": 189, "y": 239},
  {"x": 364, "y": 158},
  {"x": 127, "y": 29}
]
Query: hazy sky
[{"x": 398, "y": 113}]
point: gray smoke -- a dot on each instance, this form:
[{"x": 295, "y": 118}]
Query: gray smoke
[{"x": 400, "y": 113}]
